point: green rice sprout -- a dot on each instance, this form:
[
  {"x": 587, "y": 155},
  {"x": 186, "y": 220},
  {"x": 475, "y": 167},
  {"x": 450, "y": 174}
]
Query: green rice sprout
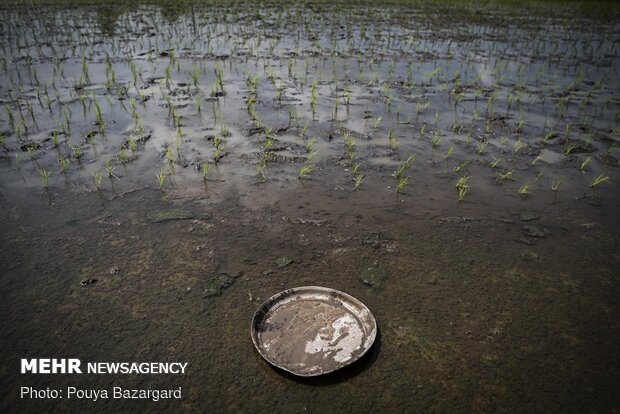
[
  {"x": 375, "y": 126},
  {"x": 358, "y": 179},
  {"x": 598, "y": 180},
  {"x": 401, "y": 183},
  {"x": 109, "y": 169},
  {"x": 568, "y": 149},
  {"x": 392, "y": 139},
  {"x": 539, "y": 157},
  {"x": 309, "y": 144},
  {"x": 549, "y": 135},
  {"x": 64, "y": 164},
  {"x": 132, "y": 145},
  {"x": 520, "y": 124},
  {"x": 121, "y": 155},
  {"x": 304, "y": 170},
  {"x": 494, "y": 162},
  {"x": 518, "y": 146},
  {"x": 585, "y": 163},
  {"x": 97, "y": 176},
  {"x": 504, "y": 175},
  {"x": 313, "y": 98},
  {"x": 77, "y": 152},
  {"x": 524, "y": 189},
  {"x": 461, "y": 182},
  {"x": 404, "y": 166},
  {"x": 460, "y": 166},
  {"x": 349, "y": 141},
  {"x": 461, "y": 193},
  {"x": 161, "y": 178},
  {"x": 555, "y": 185},
  {"x": 45, "y": 176},
  {"x": 449, "y": 153}
]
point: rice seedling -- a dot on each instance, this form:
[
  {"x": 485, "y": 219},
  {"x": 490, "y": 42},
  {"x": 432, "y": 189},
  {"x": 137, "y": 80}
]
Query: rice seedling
[
  {"x": 520, "y": 124},
  {"x": 310, "y": 156},
  {"x": 205, "y": 170},
  {"x": 392, "y": 140},
  {"x": 481, "y": 147},
  {"x": 45, "y": 176},
  {"x": 401, "y": 183},
  {"x": 404, "y": 166},
  {"x": 569, "y": 148},
  {"x": 304, "y": 170},
  {"x": 549, "y": 135},
  {"x": 76, "y": 150},
  {"x": 313, "y": 99},
  {"x": 133, "y": 146},
  {"x": 64, "y": 164},
  {"x": 461, "y": 182},
  {"x": 161, "y": 178},
  {"x": 358, "y": 179},
  {"x": 598, "y": 180},
  {"x": 461, "y": 193},
  {"x": 524, "y": 190},
  {"x": 555, "y": 185},
  {"x": 121, "y": 155},
  {"x": 97, "y": 176},
  {"x": 584, "y": 164},
  {"x": 449, "y": 153},
  {"x": 518, "y": 146},
  {"x": 460, "y": 166},
  {"x": 504, "y": 175},
  {"x": 539, "y": 157},
  {"x": 495, "y": 161},
  {"x": 309, "y": 144},
  {"x": 109, "y": 169}
]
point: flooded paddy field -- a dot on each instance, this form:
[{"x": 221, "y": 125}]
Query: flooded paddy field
[{"x": 164, "y": 170}]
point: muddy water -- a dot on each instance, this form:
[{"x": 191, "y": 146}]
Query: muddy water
[{"x": 500, "y": 302}]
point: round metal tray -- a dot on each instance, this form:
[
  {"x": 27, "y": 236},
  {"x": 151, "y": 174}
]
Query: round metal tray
[{"x": 312, "y": 330}]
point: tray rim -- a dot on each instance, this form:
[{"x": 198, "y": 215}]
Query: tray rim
[{"x": 263, "y": 309}]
